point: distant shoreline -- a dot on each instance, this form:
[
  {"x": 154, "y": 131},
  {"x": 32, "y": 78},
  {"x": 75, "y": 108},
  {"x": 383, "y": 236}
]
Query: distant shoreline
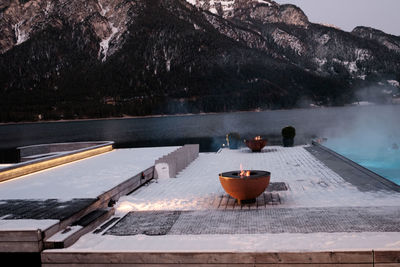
[
  {"x": 130, "y": 117},
  {"x": 183, "y": 114}
]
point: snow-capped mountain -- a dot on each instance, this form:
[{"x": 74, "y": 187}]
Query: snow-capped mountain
[{"x": 71, "y": 58}]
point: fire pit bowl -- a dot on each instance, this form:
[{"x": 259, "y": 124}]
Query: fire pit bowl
[
  {"x": 245, "y": 188},
  {"x": 256, "y": 144}
]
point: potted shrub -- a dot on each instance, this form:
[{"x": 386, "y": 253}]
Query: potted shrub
[
  {"x": 288, "y": 134},
  {"x": 233, "y": 140}
]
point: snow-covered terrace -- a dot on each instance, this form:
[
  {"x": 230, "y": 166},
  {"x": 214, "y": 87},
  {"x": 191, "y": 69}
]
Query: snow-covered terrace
[
  {"x": 87, "y": 178},
  {"x": 321, "y": 212},
  {"x": 33, "y": 207}
]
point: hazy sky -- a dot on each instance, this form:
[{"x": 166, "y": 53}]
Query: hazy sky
[{"x": 347, "y": 14}]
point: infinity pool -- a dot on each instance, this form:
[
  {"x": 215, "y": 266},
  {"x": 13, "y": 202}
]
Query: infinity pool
[{"x": 383, "y": 160}]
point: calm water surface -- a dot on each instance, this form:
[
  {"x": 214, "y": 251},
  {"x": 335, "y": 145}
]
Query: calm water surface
[{"x": 209, "y": 130}]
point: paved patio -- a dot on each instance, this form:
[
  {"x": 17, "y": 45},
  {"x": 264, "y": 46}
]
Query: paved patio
[
  {"x": 274, "y": 220},
  {"x": 190, "y": 219}
]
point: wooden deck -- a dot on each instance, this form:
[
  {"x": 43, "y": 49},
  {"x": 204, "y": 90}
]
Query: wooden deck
[
  {"x": 33, "y": 241},
  {"x": 269, "y": 197}
]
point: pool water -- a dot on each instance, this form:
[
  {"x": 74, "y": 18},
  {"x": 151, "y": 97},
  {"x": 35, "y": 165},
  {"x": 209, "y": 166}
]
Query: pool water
[{"x": 384, "y": 161}]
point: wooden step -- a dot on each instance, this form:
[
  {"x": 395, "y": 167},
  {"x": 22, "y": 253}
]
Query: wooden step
[{"x": 72, "y": 233}]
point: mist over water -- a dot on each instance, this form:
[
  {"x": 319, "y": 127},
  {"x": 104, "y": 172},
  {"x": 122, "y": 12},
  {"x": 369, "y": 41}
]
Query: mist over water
[
  {"x": 371, "y": 137},
  {"x": 352, "y": 127}
]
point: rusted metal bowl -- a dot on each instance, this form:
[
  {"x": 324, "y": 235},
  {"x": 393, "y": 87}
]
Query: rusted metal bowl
[
  {"x": 245, "y": 188},
  {"x": 256, "y": 145}
]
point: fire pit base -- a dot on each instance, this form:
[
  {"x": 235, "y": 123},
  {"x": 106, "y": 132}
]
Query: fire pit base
[
  {"x": 246, "y": 201},
  {"x": 245, "y": 188}
]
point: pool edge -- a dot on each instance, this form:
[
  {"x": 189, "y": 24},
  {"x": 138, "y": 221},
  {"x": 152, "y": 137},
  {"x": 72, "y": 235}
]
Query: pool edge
[{"x": 364, "y": 170}]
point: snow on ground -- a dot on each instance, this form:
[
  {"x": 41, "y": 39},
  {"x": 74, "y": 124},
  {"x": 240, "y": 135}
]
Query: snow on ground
[
  {"x": 394, "y": 83},
  {"x": 87, "y": 178},
  {"x": 26, "y": 224},
  {"x": 236, "y": 243},
  {"x": 311, "y": 183},
  {"x": 362, "y": 103}
]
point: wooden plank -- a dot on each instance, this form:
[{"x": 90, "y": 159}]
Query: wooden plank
[
  {"x": 208, "y": 265},
  {"x": 253, "y": 206},
  {"x": 268, "y": 198},
  {"x": 224, "y": 201},
  {"x": 147, "y": 175},
  {"x": 236, "y": 205},
  {"x": 19, "y": 236},
  {"x": 218, "y": 201},
  {"x": 355, "y": 257},
  {"x": 63, "y": 224},
  {"x": 231, "y": 203},
  {"x": 351, "y": 258},
  {"x": 26, "y": 246},
  {"x": 49, "y": 257},
  {"x": 261, "y": 201},
  {"x": 265, "y": 200},
  {"x": 149, "y": 265},
  {"x": 387, "y": 256},
  {"x": 71, "y": 239},
  {"x": 275, "y": 198}
]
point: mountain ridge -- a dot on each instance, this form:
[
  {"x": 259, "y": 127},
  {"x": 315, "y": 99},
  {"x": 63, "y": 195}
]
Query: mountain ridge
[{"x": 63, "y": 59}]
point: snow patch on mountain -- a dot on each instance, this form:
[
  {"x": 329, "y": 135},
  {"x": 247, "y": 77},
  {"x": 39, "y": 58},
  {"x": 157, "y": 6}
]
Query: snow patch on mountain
[
  {"x": 323, "y": 39},
  {"x": 103, "y": 10},
  {"x": 48, "y": 8},
  {"x": 391, "y": 46},
  {"x": 20, "y": 35},
  {"x": 286, "y": 40},
  {"x": 320, "y": 62},
  {"x": 362, "y": 54},
  {"x": 351, "y": 66},
  {"x": 264, "y": 2},
  {"x": 105, "y": 43},
  {"x": 330, "y": 26}
]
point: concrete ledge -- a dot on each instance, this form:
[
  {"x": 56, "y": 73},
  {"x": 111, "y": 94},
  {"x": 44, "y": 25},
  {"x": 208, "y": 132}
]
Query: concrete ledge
[
  {"x": 36, "y": 165},
  {"x": 169, "y": 165}
]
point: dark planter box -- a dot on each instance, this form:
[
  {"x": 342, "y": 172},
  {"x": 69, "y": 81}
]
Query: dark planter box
[
  {"x": 288, "y": 142},
  {"x": 233, "y": 144}
]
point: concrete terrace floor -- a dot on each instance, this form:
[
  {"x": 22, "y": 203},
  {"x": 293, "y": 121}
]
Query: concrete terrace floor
[{"x": 320, "y": 211}]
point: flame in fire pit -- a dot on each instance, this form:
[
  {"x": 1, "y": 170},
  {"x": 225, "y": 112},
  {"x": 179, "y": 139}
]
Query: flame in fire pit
[
  {"x": 257, "y": 138},
  {"x": 243, "y": 173}
]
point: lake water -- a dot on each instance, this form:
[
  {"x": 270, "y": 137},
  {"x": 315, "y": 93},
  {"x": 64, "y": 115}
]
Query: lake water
[{"x": 209, "y": 130}]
